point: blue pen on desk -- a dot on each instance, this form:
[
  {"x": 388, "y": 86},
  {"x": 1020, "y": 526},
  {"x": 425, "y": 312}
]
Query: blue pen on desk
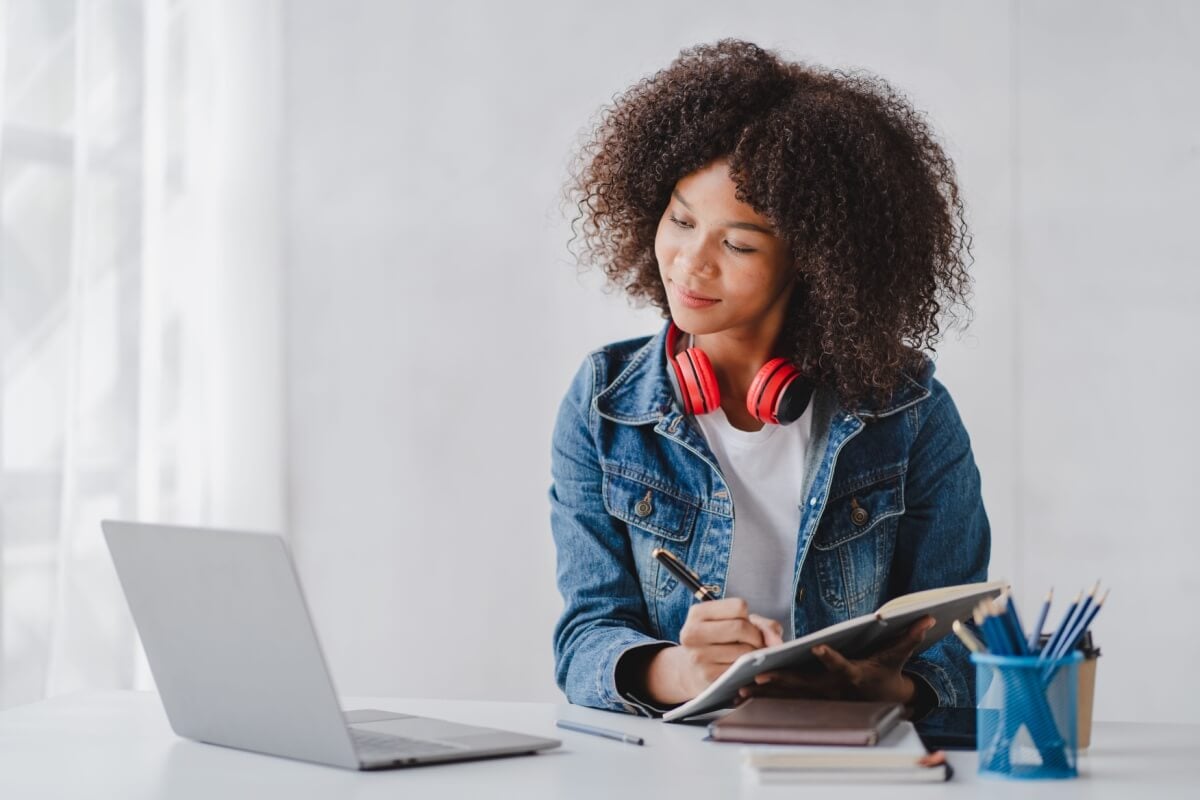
[{"x": 607, "y": 733}]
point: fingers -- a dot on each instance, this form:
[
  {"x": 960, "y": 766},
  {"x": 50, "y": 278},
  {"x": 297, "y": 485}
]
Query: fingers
[
  {"x": 898, "y": 654},
  {"x": 729, "y": 608},
  {"x": 836, "y": 662},
  {"x": 724, "y": 631},
  {"x": 725, "y": 621},
  {"x": 721, "y": 655},
  {"x": 772, "y": 631},
  {"x": 718, "y": 632},
  {"x": 874, "y": 677}
]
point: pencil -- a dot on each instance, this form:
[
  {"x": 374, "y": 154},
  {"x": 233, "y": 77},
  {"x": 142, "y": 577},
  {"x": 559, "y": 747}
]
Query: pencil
[
  {"x": 993, "y": 630},
  {"x": 1061, "y": 629},
  {"x": 1076, "y": 633},
  {"x": 968, "y": 638},
  {"x": 1080, "y": 610},
  {"x": 1005, "y": 611},
  {"x": 1035, "y": 637},
  {"x": 1068, "y": 643}
]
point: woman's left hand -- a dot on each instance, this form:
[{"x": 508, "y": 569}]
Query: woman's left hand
[{"x": 875, "y": 677}]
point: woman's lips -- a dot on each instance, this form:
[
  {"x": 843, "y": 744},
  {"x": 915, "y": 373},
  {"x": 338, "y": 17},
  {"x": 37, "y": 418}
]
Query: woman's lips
[{"x": 692, "y": 300}]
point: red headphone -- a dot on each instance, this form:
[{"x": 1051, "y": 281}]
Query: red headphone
[{"x": 778, "y": 394}]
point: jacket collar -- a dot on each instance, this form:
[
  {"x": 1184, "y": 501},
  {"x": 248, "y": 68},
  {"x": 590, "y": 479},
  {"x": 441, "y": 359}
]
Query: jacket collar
[{"x": 642, "y": 393}]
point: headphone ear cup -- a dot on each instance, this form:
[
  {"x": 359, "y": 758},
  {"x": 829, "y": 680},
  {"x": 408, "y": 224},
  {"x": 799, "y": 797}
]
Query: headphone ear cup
[
  {"x": 699, "y": 381},
  {"x": 675, "y": 377},
  {"x": 794, "y": 400},
  {"x": 778, "y": 394}
]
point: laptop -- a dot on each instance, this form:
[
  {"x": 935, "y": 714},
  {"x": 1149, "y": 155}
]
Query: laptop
[{"x": 233, "y": 651}]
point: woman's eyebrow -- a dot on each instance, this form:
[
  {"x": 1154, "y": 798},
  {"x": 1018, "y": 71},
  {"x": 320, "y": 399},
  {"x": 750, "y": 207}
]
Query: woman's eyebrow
[{"x": 748, "y": 226}]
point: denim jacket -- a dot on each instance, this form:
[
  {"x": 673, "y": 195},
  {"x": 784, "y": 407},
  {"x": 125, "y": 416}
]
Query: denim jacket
[{"x": 631, "y": 472}]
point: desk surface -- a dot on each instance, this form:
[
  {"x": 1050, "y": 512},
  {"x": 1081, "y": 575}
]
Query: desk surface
[{"x": 118, "y": 744}]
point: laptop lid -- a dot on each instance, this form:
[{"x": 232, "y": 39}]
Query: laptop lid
[{"x": 229, "y": 640}]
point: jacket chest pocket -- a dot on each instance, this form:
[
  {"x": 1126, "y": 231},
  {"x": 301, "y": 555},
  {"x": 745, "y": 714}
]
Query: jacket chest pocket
[
  {"x": 854, "y": 544},
  {"x": 656, "y": 516},
  {"x": 654, "y": 509}
]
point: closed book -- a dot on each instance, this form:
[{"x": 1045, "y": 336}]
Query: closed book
[
  {"x": 779, "y": 720},
  {"x": 899, "y": 757}
]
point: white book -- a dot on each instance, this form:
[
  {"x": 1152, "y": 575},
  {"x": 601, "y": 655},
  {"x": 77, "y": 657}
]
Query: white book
[
  {"x": 898, "y": 758},
  {"x": 852, "y": 638}
]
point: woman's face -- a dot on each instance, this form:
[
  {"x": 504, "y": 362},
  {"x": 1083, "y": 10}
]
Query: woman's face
[{"x": 722, "y": 265}]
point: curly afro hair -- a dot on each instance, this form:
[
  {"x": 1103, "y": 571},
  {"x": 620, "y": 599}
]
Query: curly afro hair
[{"x": 848, "y": 173}]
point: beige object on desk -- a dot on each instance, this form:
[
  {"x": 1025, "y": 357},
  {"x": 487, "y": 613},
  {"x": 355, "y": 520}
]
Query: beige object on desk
[{"x": 1085, "y": 699}]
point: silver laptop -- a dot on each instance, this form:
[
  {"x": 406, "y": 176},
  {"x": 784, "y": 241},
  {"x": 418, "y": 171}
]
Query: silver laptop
[{"x": 236, "y": 659}]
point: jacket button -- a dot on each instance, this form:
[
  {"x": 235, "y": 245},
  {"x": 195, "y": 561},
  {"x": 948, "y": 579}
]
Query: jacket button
[
  {"x": 858, "y": 514},
  {"x": 643, "y": 507}
]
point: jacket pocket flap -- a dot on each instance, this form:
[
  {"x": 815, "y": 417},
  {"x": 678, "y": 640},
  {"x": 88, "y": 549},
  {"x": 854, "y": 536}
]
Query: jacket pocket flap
[
  {"x": 855, "y": 514},
  {"x": 650, "y": 508}
]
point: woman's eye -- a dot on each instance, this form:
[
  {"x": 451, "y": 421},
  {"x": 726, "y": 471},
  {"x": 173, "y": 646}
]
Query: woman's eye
[
  {"x": 680, "y": 223},
  {"x": 742, "y": 250}
]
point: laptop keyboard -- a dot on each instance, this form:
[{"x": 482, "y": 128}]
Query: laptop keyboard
[{"x": 371, "y": 745}]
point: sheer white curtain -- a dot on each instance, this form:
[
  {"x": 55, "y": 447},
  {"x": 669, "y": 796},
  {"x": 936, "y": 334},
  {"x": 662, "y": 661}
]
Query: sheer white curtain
[{"x": 140, "y": 311}]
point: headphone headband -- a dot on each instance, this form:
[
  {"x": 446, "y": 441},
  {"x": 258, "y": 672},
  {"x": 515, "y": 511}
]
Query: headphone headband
[{"x": 779, "y": 394}]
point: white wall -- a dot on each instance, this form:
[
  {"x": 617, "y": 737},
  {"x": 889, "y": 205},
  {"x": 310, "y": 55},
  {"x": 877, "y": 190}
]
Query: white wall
[{"x": 434, "y": 316}]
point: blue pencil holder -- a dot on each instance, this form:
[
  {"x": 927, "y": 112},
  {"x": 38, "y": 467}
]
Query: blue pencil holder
[{"x": 1026, "y": 723}]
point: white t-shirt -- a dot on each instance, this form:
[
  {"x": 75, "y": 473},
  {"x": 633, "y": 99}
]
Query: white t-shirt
[{"x": 764, "y": 470}]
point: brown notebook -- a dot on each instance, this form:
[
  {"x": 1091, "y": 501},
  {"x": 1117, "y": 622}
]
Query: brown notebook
[{"x": 779, "y": 720}]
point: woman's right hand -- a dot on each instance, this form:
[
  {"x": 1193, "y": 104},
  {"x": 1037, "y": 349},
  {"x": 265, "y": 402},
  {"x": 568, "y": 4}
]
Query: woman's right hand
[{"x": 713, "y": 636}]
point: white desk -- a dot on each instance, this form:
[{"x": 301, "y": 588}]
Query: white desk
[{"x": 119, "y": 745}]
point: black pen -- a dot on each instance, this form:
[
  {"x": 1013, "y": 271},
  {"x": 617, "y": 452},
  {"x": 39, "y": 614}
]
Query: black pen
[
  {"x": 579, "y": 727},
  {"x": 683, "y": 574}
]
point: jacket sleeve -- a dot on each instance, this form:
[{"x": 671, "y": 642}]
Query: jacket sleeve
[
  {"x": 943, "y": 538},
  {"x": 604, "y": 613}
]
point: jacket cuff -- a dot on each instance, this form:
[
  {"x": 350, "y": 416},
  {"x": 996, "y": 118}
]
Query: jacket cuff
[
  {"x": 938, "y": 680},
  {"x": 925, "y": 698},
  {"x": 619, "y": 682}
]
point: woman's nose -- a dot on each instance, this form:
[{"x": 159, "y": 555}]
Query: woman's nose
[{"x": 694, "y": 259}]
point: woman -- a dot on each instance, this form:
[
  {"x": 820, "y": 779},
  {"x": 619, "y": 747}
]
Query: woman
[{"x": 783, "y": 433}]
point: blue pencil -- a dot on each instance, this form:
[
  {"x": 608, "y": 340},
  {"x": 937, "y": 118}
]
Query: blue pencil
[
  {"x": 993, "y": 629},
  {"x": 1079, "y": 614},
  {"x": 1061, "y": 629},
  {"x": 1014, "y": 626},
  {"x": 1035, "y": 636},
  {"x": 1004, "y": 625},
  {"x": 1072, "y": 638},
  {"x": 985, "y": 630}
]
